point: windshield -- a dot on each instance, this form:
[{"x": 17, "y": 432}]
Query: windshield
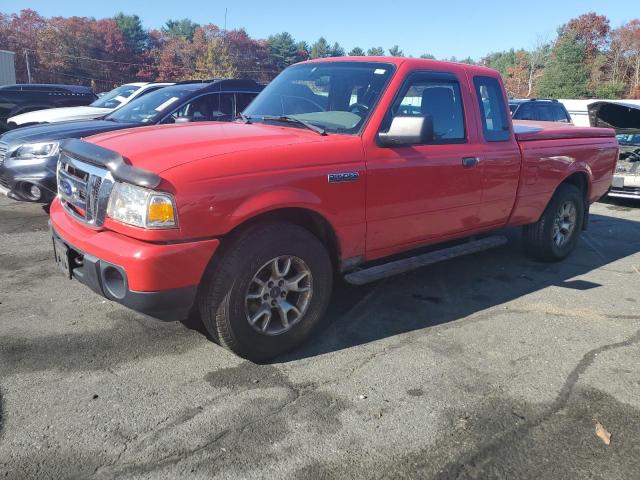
[
  {"x": 115, "y": 97},
  {"x": 336, "y": 96},
  {"x": 151, "y": 107},
  {"x": 513, "y": 107}
]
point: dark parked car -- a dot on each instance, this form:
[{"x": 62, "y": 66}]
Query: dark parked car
[
  {"x": 28, "y": 156},
  {"x": 541, "y": 109},
  {"x": 22, "y": 98}
]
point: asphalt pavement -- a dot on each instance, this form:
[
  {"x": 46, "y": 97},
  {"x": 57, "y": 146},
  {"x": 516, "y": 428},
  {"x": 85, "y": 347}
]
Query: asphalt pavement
[{"x": 489, "y": 366}]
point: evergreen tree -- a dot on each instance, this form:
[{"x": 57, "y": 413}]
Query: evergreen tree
[
  {"x": 356, "y": 52},
  {"x": 337, "y": 50},
  {"x": 132, "y": 30},
  {"x": 320, "y": 49},
  {"x": 396, "y": 52},
  {"x": 566, "y": 75},
  {"x": 283, "y": 50},
  {"x": 375, "y": 52},
  {"x": 427, "y": 56},
  {"x": 184, "y": 28}
]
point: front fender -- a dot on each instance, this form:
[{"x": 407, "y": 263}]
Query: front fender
[{"x": 268, "y": 201}]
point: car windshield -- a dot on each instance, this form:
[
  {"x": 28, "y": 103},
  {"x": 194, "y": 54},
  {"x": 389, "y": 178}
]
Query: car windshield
[
  {"x": 335, "y": 96},
  {"x": 115, "y": 97},
  {"x": 153, "y": 106},
  {"x": 513, "y": 107}
]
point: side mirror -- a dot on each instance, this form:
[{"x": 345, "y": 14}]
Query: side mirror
[
  {"x": 183, "y": 119},
  {"x": 408, "y": 130}
]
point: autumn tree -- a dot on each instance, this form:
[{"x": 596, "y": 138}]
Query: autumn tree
[
  {"x": 592, "y": 30},
  {"x": 516, "y": 76},
  {"x": 20, "y": 34},
  {"x": 630, "y": 37}
]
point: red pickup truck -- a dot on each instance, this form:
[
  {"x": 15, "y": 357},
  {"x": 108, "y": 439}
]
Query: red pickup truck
[{"x": 338, "y": 163}]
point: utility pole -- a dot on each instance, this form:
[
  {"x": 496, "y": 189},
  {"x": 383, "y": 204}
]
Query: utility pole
[
  {"x": 26, "y": 57},
  {"x": 225, "y": 19}
]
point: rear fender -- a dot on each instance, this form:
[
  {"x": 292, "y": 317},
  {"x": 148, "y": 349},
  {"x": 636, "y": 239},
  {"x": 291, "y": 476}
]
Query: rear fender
[{"x": 528, "y": 209}]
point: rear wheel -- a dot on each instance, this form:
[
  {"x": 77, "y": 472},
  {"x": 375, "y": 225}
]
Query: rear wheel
[
  {"x": 556, "y": 234},
  {"x": 266, "y": 290}
]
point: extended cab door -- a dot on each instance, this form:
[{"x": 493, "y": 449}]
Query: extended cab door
[
  {"x": 498, "y": 151},
  {"x": 422, "y": 193}
]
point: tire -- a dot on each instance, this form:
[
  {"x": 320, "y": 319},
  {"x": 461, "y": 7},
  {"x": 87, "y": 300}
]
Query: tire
[
  {"x": 245, "y": 260},
  {"x": 539, "y": 238}
]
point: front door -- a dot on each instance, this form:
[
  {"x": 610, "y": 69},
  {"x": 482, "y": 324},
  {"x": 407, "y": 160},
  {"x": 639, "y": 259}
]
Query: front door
[{"x": 422, "y": 192}]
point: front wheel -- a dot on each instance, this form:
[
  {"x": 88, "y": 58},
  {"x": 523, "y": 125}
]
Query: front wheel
[
  {"x": 266, "y": 290},
  {"x": 556, "y": 234}
]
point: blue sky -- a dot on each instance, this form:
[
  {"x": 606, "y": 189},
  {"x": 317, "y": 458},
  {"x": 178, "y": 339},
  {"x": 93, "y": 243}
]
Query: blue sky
[{"x": 455, "y": 28}]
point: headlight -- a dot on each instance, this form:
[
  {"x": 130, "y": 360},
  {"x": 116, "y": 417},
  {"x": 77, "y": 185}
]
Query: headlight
[
  {"x": 36, "y": 150},
  {"x": 142, "y": 207}
]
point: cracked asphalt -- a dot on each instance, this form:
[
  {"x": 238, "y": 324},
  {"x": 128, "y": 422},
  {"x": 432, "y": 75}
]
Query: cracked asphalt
[{"x": 490, "y": 366}]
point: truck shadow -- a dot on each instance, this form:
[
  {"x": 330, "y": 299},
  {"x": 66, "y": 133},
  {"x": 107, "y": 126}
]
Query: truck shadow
[{"x": 456, "y": 289}]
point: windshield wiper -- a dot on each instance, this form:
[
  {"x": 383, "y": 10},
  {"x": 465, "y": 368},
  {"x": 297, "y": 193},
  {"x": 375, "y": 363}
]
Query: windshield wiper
[
  {"x": 290, "y": 119},
  {"x": 244, "y": 118}
]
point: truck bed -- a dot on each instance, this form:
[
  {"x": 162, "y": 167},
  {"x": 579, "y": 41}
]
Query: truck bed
[
  {"x": 527, "y": 131},
  {"x": 552, "y": 152}
]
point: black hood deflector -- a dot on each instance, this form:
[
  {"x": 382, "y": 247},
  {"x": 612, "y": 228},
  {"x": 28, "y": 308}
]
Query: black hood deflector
[{"x": 112, "y": 161}]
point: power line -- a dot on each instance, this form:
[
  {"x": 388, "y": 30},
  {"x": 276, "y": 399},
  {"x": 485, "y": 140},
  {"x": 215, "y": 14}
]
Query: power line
[{"x": 190, "y": 69}]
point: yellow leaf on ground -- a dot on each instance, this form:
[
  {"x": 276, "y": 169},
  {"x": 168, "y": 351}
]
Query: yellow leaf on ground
[{"x": 603, "y": 434}]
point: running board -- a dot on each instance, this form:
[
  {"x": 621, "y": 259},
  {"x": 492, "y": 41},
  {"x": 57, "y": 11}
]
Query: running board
[{"x": 372, "y": 274}]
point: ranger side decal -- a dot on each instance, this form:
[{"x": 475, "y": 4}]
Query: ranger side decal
[{"x": 343, "y": 177}]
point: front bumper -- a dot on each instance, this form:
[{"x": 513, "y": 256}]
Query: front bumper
[
  {"x": 18, "y": 176},
  {"x": 159, "y": 280}
]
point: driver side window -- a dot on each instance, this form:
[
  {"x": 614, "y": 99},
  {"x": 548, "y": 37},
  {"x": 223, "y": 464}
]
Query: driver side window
[{"x": 438, "y": 99}]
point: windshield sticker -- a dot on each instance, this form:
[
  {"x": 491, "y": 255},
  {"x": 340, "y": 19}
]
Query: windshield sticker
[
  {"x": 164, "y": 105},
  {"x": 380, "y": 71}
]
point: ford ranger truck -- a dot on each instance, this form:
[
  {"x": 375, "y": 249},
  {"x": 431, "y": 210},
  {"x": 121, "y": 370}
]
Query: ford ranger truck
[{"x": 337, "y": 165}]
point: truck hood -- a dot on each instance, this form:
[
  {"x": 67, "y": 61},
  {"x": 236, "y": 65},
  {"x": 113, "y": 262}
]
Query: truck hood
[
  {"x": 621, "y": 116},
  {"x": 160, "y": 148},
  {"x": 62, "y": 114},
  {"x": 61, "y": 130}
]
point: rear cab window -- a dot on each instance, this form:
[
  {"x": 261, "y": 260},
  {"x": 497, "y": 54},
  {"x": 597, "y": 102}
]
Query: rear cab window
[{"x": 493, "y": 110}]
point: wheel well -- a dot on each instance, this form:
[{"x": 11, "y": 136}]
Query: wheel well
[
  {"x": 579, "y": 180},
  {"x": 307, "y": 219}
]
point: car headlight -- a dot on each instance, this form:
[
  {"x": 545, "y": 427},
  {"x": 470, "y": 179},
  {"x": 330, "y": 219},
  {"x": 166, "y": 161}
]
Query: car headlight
[
  {"x": 142, "y": 207},
  {"x": 35, "y": 150}
]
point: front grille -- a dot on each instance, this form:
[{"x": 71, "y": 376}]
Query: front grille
[
  {"x": 84, "y": 190},
  {"x": 3, "y": 152}
]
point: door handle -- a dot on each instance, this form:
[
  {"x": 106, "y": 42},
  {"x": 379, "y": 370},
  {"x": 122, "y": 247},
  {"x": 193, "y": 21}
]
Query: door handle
[{"x": 468, "y": 162}]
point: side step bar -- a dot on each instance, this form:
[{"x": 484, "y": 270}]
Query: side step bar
[{"x": 372, "y": 274}]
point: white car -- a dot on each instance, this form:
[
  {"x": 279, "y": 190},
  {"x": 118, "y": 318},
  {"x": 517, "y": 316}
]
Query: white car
[{"x": 104, "y": 105}]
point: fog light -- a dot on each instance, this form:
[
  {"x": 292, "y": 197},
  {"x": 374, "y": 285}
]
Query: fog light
[{"x": 35, "y": 192}]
